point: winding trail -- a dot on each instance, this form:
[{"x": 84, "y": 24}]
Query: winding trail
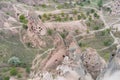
[{"x": 100, "y": 13}]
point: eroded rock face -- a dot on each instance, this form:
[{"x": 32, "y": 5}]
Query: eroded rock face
[
  {"x": 93, "y": 62},
  {"x": 61, "y": 63},
  {"x": 112, "y": 72}
]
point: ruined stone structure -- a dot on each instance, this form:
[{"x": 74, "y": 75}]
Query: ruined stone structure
[{"x": 35, "y": 25}]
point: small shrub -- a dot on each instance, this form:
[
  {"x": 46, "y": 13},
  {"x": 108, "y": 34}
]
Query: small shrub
[
  {"x": 24, "y": 65},
  {"x": 7, "y": 78},
  {"x": 60, "y": 6},
  {"x": 79, "y": 17},
  {"x": 83, "y": 16},
  {"x": 80, "y": 44},
  {"x": 13, "y": 72},
  {"x": 92, "y": 10},
  {"x": 29, "y": 44},
  {"x": 81, "y": 4},
  {"x": 107, "y": 42},
  {"x": 58, "y": 18},
  {"x": 8, "y": 13},
  {"x": 77, "y": 31},
  {"x": 90, "y": 18},
  {"x": 75, "y": 12},
  {"x": 39, "y": 16},
  {"x": 49, "y": 31},
  {"x": 45, "y": 15},
  {"x": 103, "y": 33},
  {"x": 62, "y": 35},
  {"x": 96, "y": 28},
  {"x": 88, "y": 13},
  {"x": 43, "y": 5},
  {"x": 71, "y": 18},
  {"x": 96, "y": 15},
  {"x": 62, "y": 14},
  {"x": 23, "y": 19},
  {"x": 65, "y": 19},
  {"x": 100, "y": 3},
  {"x": 28, "y": 69},
  {"x": 19, "y": 76},
  {"x": 88, "y": 31},
  {"x": 14, "y": 61},
  {"x": 25, "y": 26}
]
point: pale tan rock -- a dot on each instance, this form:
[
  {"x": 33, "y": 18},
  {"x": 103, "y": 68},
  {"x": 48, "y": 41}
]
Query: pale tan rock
[{"x": 93, "y": 62}]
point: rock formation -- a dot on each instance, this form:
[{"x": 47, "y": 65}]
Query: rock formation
[
  {"x": 93, "y": 62},
  {"x": 112, "y": 71}
]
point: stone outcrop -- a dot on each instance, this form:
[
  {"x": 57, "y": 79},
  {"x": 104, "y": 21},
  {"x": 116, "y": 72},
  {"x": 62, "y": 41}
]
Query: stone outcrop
[
  {"x": 112, "y": 71},
  {"x": 93, "y": 62}
]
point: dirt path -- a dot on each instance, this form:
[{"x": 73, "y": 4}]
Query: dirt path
[{"x": 100, "y": 13}]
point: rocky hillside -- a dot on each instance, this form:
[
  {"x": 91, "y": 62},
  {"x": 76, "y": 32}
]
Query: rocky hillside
[{"x": 59, "y": 40}]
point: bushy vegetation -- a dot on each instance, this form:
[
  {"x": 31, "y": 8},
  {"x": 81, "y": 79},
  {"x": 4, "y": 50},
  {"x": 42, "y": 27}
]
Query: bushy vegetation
[
  {"x": 43, "y": 5},
  {"x": 81, "y": 44},
  {"x": 92, "y": 10},
  {"x": 23, "y": 19},
  {"x": 7, "y": 78},
  {"x": 107, "y": 42},
  {"x": 14, "y": 61},
  {"x": 100, "y": 3},
  {"x": 96, "y": 28},
  {"x": 63, "y": 16},
  {"x": 101, "y": 40},
  {"x": 29, "y": 44},
  {"x": 63, "y": 35},
  {"x": 49, "y": 31},
  {"x": 25, "y": 26},
  {"x": 13, "y": 72},
  {"x": 28, "y": 69},
  {"x": 75, "y": 12},
  {"x": 19, "y": 75},
  {"x": 95, "y": 24}
]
